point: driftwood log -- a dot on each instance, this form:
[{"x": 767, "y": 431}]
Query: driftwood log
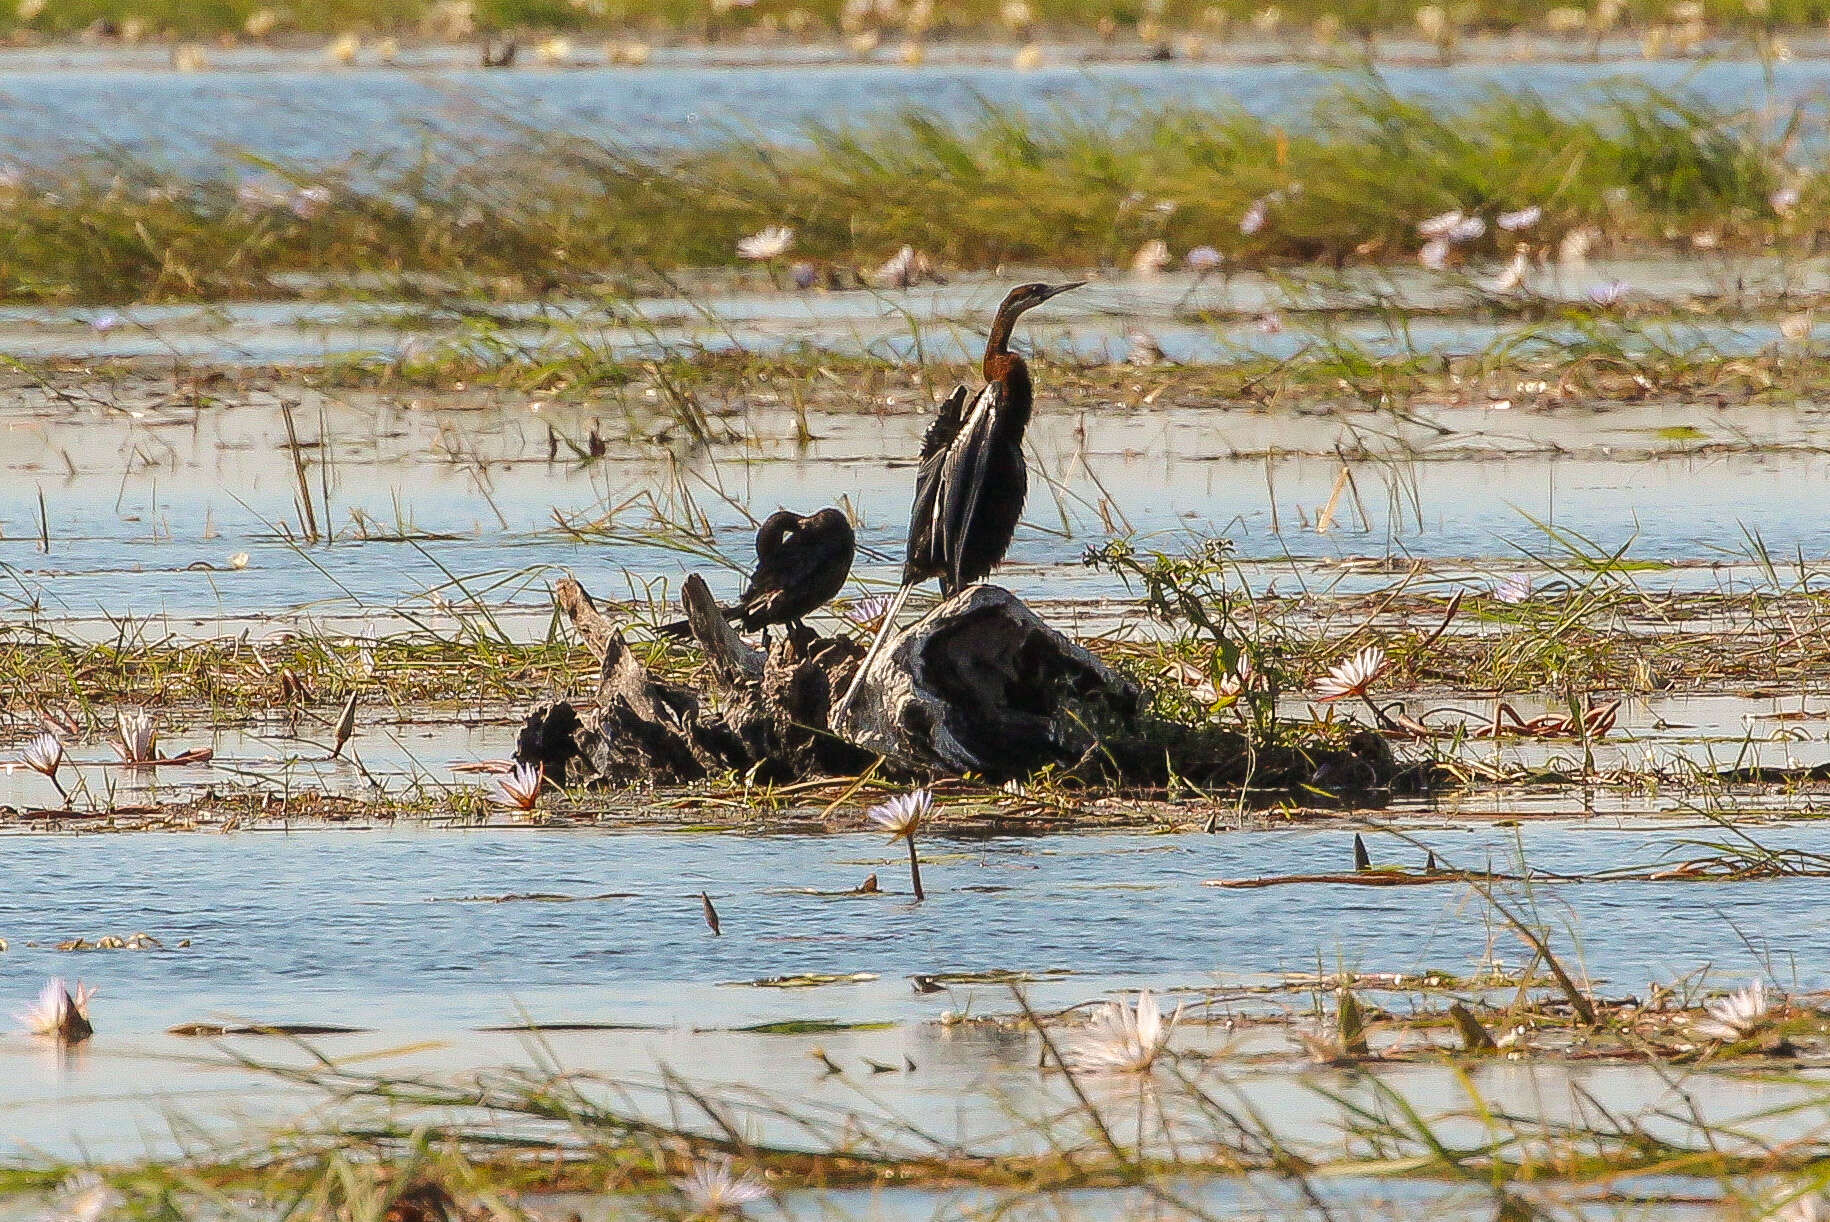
[{"x": 978, "y": 685}]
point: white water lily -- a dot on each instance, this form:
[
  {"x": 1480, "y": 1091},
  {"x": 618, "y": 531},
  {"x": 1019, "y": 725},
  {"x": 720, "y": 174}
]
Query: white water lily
[
  {"x": 1512, "y": 588},
  {"x": 84, "y": 1197},
  {"x": 1521, "y": 218},
  {"x": 520, "y": 789},
  {"x": 1121, "y": 1039},
  {"x": 771, "y": 243},
  {"x": 714, "y": 1190},
  {"x": 1783, "y": 200},
  {"x": 1354, "y": 676},
  {"x": 1736, "y": 1016},
  {"x": 1796, "y": 328},
  {"x": 59, "y": 1013},
  {"x": 867, "y": 611},
  {"x": 1608, "y": 293},
  {"x": 1435, "y": 254},
  {"x": 903, "y": 815},
  {"x": 139, "y": 743},
  {"x": 43, "y": 754}
]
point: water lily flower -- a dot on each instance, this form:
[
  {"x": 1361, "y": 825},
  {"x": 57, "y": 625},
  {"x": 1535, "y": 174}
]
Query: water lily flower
[
  {"x": 105, "y": 322},
  {"x": 520, "y": 789},
  {"x": 1440, "y": 225},
  {"x": 1783, "y": 200},
  {"x": 45, "y": 754},
  {"x": 804, "y": 275},
  {"x": 1354, "y": 676},
  {"x": 1796, "y": 327},
  {"x": 1608, "y": 293},
  {"x": 1435, "y": 254},
  {"x": 1203, "y": 259},
  {"x": 1522, "y": 218},
  {"x": 1122, "y": 1040},
  {"x": 902, "y": 816},
  {"x": 238, "y": 560},
  {"x": 1736, "y": 1016},
  {"x": 1151, "y": 258},
  {"x": 715, "y": 1191},
  {"x": 59, "y": 1013},
  {"x": 139, "y": 742},
  {"x": 771, "y": 243},
  {"x": 1512, "y": 588},
  {"x": 865, "y": 612}
]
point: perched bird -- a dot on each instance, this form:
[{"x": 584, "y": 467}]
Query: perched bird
[
  {"x": 969, "y": 492},
  {"x": 801, "y": 562}
]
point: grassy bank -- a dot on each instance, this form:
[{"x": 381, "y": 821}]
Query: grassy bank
[{"x": 518, "y": 212}]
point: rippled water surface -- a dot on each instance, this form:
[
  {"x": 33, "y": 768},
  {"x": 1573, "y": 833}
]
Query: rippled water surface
[{"x": 426, "y": 936}]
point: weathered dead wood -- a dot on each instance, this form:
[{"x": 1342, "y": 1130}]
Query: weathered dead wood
[
  {"x": 981, "y": 684},
  {"x": 582, "y": 611},
  {"x": 733, "y": 662}
]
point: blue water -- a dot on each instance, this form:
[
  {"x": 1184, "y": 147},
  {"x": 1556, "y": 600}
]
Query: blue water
[{"x": 207, "y": 119}]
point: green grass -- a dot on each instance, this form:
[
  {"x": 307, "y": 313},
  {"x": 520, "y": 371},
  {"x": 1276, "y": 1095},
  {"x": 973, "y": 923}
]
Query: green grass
[{"x": 522, "y": 212}]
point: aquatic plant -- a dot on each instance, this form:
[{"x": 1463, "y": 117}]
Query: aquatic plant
[
  {"x": 59, "y": 1013},
  {"x": 139, "y": 740},
  {"x": 45, "y": 754},
  {"x": 1736, "y": 1016},
  {"x": 1353, "y": 676},
  {"x": 714, "y": 1190},
  {"x": 1120, "y": 1039},
  {"x": 902, "y": 817},
  {"x": 520, "y": 789}
]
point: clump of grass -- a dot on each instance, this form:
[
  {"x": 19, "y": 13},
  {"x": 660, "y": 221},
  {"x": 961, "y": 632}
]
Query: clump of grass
[{"x": 527, "y": 213}]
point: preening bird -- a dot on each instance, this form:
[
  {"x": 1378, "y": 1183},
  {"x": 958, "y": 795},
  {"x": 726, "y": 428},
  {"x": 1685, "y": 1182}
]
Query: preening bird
[
  {"x": 970, "y": 489},
  {"x": 801, "y": 562}
]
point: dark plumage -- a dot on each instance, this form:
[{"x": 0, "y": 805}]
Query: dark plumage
[
  {"x": 801, "y": 562},
  {"x": 970, "y": 491}
]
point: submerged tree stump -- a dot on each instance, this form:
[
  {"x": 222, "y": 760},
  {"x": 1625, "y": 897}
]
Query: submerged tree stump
[{"x": 979, "y": 685}]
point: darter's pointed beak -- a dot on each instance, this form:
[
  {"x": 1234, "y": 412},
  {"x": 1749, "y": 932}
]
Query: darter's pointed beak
[{"x": 1057, "y": 289}]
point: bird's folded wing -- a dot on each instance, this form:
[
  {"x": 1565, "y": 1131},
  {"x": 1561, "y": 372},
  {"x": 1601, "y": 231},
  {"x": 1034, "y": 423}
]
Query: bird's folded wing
[
  {"x": 962, "y": 476},
  {"x": 946, "y": 425}
]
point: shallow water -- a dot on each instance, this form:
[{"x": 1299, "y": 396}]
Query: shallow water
[
  {"x": 147, "y": 503},
  {"x": 295, "y": 110},
  {"x": 394, "y": 932}
]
